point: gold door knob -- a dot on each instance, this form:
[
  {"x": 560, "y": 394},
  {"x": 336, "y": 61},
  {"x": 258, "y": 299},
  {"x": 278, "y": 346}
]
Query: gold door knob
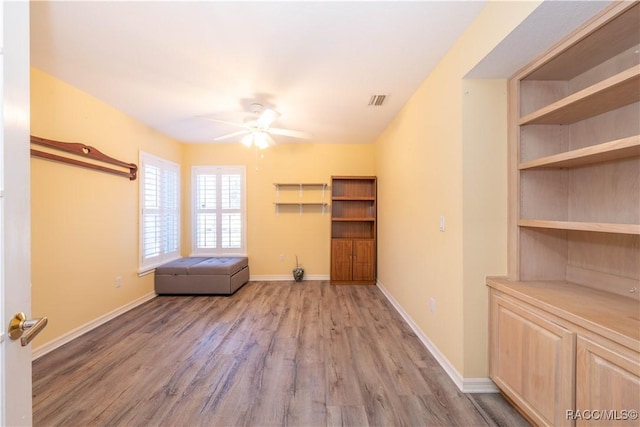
[{"x": 32, "y": 327}]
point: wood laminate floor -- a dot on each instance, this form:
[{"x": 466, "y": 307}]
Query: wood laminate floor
[{"x": 273, "y": 354}]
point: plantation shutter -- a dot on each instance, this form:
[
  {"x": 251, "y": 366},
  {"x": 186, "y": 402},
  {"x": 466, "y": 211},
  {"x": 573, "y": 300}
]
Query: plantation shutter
[
  {"x": 160, "y": 211},
  {"x": 219, "y": 210}
]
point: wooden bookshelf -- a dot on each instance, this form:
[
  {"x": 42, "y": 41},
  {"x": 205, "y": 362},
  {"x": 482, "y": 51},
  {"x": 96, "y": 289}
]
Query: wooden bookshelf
[{"x": 353, "y": 230}]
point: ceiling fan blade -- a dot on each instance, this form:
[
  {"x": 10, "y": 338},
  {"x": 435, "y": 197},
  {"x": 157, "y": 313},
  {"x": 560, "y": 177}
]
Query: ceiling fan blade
[
  {"x": 231, "y": 135},
  {"x": 291, "y": 133},
  {"x": 267, "y": 117},
  {"x": 225, "y": 122}
]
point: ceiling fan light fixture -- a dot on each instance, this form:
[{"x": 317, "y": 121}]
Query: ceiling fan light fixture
[
  {"x": 258, "y": 138},
  {"x": 257, "y": 130},
  {"x": 248, "y": 139}
]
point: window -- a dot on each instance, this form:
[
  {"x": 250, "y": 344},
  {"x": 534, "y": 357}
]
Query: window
[
  {"x": 218, "y": 221},
  {"x": 160, "y": 211}
]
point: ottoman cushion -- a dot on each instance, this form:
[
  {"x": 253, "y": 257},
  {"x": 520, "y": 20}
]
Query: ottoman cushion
[
  {"x": 179, "y": 266},
  {"x": 218, "y": 266}
]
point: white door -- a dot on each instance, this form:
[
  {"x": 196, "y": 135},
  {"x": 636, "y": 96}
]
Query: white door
[{"x": 15, "y": 223}]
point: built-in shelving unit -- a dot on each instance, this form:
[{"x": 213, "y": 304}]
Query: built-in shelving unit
[
  {"x": 301, "y": 188},
  {"x": 353, "y": 229},
  {"x": 574, "y": 227}
]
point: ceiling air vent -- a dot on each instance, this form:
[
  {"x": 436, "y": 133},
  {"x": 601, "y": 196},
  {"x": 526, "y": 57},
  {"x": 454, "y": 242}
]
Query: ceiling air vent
[{"x": 377, "y": 100}]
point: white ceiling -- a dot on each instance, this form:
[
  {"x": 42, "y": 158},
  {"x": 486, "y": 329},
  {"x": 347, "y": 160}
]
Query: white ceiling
[{"x": 167, "y": 64}]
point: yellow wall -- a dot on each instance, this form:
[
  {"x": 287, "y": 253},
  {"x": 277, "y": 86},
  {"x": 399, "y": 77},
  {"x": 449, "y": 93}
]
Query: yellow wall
[
  {"x": 288, "y": 233},
  {"x": 84, "y": 223},
  {"x": 444, "y": 154},
  {"x": 484, "y": 222}
]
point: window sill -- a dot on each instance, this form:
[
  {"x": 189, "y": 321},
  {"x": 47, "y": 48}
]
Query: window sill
[
  {"x": 218, "y": 254},
  {"x": 146, "y": 271},
  {"x": 143, "y": 271}
]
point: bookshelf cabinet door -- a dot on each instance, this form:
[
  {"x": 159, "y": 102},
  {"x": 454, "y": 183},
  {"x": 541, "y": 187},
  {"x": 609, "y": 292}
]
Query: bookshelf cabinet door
[
  {"x": 363, "y": 260},
  {"x": 341, "y": 259}
]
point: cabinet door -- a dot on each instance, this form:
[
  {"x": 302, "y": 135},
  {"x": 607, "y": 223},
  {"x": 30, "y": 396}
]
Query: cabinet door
[
  {"x": 341, "y": 259},
  {"x": 363, "y": 260},
  {"x": 532, "y": 361},
  {"x": 607, "y": 385}
]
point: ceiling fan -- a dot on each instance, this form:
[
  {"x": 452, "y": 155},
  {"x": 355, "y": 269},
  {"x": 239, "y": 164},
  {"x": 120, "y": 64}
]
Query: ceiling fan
[{"x": 257, "y": 130}]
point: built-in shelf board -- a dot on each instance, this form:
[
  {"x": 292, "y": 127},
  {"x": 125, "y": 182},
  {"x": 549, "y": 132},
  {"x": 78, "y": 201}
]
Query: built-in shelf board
[
  {"x": 615, "y": 92},
  {"x": 613, "y": 316},
  {"x": 600, "y": 227},
  {"x": 612, "y": 150},
  {"x": 302, "y": 205},
  {"x": 597, "y": 47}
]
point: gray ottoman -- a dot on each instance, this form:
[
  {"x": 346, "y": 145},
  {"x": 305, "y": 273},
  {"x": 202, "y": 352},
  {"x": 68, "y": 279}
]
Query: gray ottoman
[{"x": 202, "y": 275}]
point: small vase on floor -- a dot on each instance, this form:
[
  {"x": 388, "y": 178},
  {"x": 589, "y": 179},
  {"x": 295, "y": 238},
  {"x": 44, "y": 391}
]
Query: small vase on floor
[{"x": 298, "y": 272}]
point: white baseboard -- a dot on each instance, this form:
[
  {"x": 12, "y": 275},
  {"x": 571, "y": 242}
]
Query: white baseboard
[
  {"x": 478, "y": 385},
  {"x": 284, "y": 277},
  {"x": 465, "y": 385},
  {"x": 71, "y": 335}
]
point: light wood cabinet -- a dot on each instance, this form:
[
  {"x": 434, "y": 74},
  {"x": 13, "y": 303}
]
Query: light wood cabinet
[
  {"x": 353, "y": 230},
  {"x": 565, "y": 354},
  {"x": 607, "y": 380},
  {"x": 533, "y": 360},
  {"x": 574, "y": 227}
]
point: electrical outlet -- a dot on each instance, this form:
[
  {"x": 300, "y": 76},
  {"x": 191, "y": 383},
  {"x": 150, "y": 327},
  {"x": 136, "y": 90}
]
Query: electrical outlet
[
  {"x": 432, "y": 305},
  {"x": 281, "y": 257},
  {"x": 118, "y": 281},
  {"x": 442, "y": 223}
]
